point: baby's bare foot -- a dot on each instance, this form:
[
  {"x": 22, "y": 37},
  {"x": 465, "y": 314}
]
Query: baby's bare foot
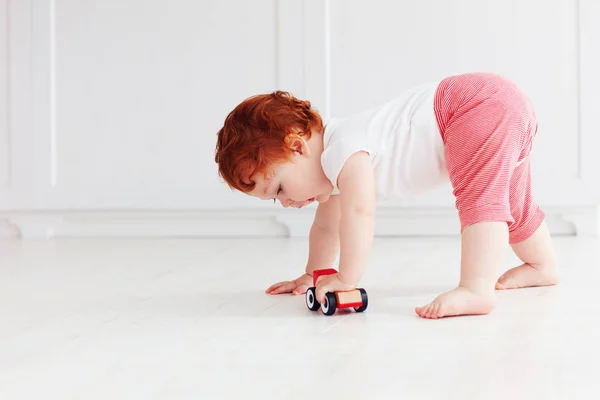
[
  {"x": 526, "y": 276},
  {"x": 459, "y": 301}
]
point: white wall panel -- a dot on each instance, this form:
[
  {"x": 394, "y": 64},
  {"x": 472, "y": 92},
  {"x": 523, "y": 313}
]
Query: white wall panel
[
  {"x": 130, "y": 96},
  {"x": 113, "y": 107},
  {"x": 4, "y": 112},
  {"x": 380, "y": 48},
  {"x": 20, "y": 162},
  {"x": 589, "y": 34}
]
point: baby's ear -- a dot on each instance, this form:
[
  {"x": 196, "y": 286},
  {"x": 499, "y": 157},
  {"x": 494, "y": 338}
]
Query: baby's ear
[{"x": 298, "y": 144}]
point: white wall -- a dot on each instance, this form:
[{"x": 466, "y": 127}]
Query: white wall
[{"x": 109, "y": 109}]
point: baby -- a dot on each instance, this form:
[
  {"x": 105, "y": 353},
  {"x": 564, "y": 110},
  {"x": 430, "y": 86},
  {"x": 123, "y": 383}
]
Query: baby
[{"x": 474, "y": 130}]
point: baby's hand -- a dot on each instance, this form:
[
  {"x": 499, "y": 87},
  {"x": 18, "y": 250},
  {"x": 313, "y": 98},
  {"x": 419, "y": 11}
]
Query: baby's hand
[
  {"x": 297, "y": 286},
  {"x": 330, "y": 283}
]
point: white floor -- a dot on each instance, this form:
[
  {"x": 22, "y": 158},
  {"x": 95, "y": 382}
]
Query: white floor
[{"x": 173, "y": 319}]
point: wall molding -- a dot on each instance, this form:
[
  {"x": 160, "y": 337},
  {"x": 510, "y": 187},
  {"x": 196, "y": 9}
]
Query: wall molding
[
  {"x": 317, "y": 55},
  {"x": 290, "y": 72},
  {"x": 391, "y": 222},
  {"x": 43, "y": 45}
]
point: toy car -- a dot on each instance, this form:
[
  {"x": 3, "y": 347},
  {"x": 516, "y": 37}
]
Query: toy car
[{"x": 356, "y": 298}]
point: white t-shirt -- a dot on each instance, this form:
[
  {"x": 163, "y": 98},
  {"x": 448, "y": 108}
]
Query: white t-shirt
[{"x": 402, "y": 138}]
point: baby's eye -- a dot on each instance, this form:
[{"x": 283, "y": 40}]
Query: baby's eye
[{"x": 279, "y": 190}]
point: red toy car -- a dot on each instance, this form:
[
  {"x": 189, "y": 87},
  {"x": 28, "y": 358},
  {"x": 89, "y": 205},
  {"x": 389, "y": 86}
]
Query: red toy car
[{"x": 356, "y": 298}]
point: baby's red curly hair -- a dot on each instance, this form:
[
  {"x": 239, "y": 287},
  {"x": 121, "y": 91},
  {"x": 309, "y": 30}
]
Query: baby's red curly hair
[{"x": 254, "y": 136}]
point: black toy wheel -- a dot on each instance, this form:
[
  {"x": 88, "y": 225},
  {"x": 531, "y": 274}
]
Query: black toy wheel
[
  {"x": 330, "y": 304},
  {"x": 311, "y": 300},
  {"x": 365, "y": 301}
]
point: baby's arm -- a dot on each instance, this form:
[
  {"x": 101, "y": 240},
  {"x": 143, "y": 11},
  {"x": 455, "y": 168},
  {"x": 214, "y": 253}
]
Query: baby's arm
[
  {"x": 324, "y": 244},
  {"x": 357, "y": 224},
  {"x": 324, "y": 239}
]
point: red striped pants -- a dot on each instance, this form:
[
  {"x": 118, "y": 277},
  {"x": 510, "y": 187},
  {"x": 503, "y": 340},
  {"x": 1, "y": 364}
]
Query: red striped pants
[{"x": 488, "y": 125}]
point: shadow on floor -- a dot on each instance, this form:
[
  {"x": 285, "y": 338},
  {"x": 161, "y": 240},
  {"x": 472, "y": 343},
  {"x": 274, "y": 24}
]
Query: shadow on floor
[{"x": 257, "y": 304}]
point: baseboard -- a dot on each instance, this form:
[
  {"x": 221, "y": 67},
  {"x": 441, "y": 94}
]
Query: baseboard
[
  {"x": 562, "y": 221},
  {"x": 399, "y": 221}
]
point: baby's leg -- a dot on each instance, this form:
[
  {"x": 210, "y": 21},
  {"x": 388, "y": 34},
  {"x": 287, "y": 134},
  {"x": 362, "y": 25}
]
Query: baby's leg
[
  {"x": 483, "y": 245},
  {"x": 528, "y": 236},
  {"x": 539, "y": 266},
  {"x": 487, "y": 125}
]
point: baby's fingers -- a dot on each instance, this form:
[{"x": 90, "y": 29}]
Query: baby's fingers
[
  {"x": 284, "y": 287},
  {"x": 273, "y": 286}
]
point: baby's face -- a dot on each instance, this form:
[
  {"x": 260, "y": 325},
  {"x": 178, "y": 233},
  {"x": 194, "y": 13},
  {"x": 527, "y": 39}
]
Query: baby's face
[{"x": 297, "y": 183}]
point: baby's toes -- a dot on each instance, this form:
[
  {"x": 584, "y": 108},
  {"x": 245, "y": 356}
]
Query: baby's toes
[
  {"x": 422, "y": 310},
  {"x": 431, "y": 311}
]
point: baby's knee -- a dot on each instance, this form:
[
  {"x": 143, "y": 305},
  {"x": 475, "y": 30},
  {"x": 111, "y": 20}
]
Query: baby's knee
[{"x": 485, "y": 213}]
